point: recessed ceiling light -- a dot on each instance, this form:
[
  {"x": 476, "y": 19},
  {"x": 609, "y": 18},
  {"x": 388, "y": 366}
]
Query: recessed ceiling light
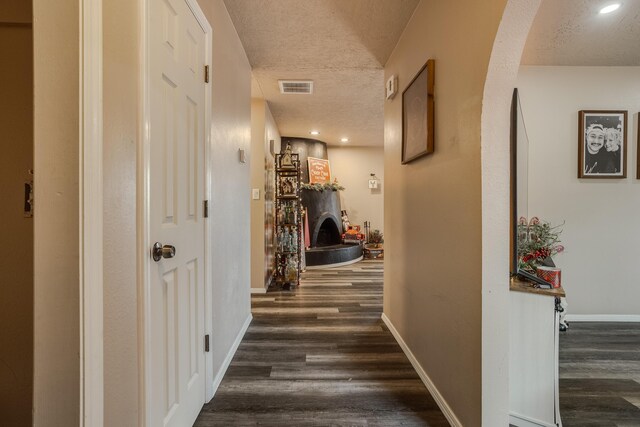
[
  {"x": 610, "y": 8},
  {"x": 344, "y": 139},
  {"x": 314, "y": 132}
]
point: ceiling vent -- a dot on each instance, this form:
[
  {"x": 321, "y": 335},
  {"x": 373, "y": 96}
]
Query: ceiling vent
[{"x": 300, "y": 87}]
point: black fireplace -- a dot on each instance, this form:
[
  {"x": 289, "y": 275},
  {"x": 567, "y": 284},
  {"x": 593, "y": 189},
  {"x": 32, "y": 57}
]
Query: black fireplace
[
  {"x": 323, "y": 209},
  {"x": 328, "y": 233}
]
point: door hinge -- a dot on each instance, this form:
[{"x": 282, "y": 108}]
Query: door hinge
[
  {"x": 206, "y": 343},
  {"x": 205, "y": 209},
  {"x": 206, "y": 74}
]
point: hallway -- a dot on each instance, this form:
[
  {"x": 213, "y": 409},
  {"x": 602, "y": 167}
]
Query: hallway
[{"x": 322, "y": 356}]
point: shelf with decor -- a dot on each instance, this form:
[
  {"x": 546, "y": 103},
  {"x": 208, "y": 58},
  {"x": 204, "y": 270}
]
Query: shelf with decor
[{"x": 288, "y": 222}]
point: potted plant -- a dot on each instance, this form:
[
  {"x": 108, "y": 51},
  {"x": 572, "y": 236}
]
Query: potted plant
[
  {"x": 375, "y": 239},
  {"x": 538, "y": 242}
]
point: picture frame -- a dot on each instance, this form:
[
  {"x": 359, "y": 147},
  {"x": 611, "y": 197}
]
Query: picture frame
[
  {"x": 319, "y": 170},
  {"x": 418, "y": 114},
  {"x": 638, "y": 155},
  {"x": 602, "y": 144}
]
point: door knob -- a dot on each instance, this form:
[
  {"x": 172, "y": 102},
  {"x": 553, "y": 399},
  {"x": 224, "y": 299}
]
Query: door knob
[{"x": 159, "y": 251}]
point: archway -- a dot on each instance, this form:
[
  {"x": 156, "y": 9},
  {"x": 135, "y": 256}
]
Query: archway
[{"x": 501, "y": 77}]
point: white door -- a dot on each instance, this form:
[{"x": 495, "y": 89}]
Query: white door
[{"x": 177, "y": 186}]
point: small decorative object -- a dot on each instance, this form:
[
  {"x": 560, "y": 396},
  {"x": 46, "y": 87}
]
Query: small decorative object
[
  {"x": 373, "y": 181},
  {"x": 602, "y": 144},
  {"x": 549, "y": 275},
  {"x": 287, "y": 184},
  {"x": 367, "y": 231},
  {"x": 286, "y": 160},
  {"x": 376, "y": 239},
  {"x": 353, "y": 235},
  {"x": 319, "y": 171},
  {"x": 418, "y": 115},
  {"x": 333, "y": 186},
  {"x": 291, "y": 269},
  {"x": 538, "y": 242},
  {"x": 345, "y": 220},
  {"x": 373, "y": 249}
]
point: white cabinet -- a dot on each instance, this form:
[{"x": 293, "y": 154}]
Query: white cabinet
[{"x": 533, "y": 360}]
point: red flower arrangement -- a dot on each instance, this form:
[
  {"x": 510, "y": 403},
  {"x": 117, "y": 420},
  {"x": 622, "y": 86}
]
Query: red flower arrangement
[{"x": 537, "y": 241}]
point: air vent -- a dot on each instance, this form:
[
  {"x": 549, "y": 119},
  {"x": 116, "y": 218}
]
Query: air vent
[{"x": 300, "y": 87}]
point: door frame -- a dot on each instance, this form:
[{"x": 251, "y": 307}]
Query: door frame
[
  {"x": 143, "y": 210},
  {"x": 91, "y": 215}
]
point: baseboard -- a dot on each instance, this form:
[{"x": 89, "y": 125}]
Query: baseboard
[
  {"x": 442, "y": 404},
  {"x": 602, "y": 318},
  {"x": 258, "y": 291},
  {"x": 232, "y": 351},
  {"x": 522, "y": 421}
]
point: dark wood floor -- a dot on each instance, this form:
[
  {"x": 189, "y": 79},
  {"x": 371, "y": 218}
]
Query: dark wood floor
[
  {"x": 600, "y": 375},
  {"x": 321, "y": 356}
]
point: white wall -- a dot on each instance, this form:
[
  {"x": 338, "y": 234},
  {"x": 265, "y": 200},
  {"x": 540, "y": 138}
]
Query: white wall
[
  {"x": 599, "y": 267},
  {"x": 56, "y": 221},
  {"x": 263, "y": 129},
  {"x": 120, "y": 139},
  {"x": 353, "y": 166},
  {"x": 230, "y": 214}
]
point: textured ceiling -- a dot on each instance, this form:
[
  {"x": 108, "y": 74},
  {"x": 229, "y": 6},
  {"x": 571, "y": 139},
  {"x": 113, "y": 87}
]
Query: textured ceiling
[
  {"x": 341, "y": 45},
  {"x": 572, "y": 32}
]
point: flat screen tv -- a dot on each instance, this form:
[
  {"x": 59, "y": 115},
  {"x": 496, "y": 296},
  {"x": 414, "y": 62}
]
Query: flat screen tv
[{"x": 518, "y": 187}]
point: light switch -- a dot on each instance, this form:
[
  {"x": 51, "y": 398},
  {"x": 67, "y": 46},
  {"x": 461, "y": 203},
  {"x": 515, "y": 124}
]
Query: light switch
[{"x": 255, "y": 193}]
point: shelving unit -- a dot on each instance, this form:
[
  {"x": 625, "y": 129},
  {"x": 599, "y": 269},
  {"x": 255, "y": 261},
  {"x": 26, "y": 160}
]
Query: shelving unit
[{"x": 288, "y": 219}]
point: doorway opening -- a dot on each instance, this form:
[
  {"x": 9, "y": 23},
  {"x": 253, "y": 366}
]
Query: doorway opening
[{"x": 16, "y": 213}]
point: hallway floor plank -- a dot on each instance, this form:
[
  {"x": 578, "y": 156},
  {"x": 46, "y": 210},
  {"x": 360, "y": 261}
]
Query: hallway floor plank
[
  {"x": 600, "y": 375},
  {"x": 321, "y": 356}
]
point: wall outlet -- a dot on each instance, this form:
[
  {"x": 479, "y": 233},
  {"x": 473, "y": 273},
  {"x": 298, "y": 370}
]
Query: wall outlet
[{"x": 255, "y": 194}]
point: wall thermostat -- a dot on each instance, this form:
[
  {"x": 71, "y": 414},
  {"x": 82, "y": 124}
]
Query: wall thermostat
[{"x": 392, "y": 86}]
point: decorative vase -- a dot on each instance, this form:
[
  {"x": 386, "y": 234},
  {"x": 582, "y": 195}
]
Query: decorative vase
[{"x": 550, "y": 275}]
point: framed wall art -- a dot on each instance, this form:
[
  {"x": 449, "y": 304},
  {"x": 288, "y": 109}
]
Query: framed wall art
[
  {"x": 638, "y": 154},
  {"x": 602, "y": 144},
  {"x": 418, "y": 115},
  {"x": 319, "y": 170}
]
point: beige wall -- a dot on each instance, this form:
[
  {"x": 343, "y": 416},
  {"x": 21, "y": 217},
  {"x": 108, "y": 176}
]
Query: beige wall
[
  {"x": 433, "y": 252},
  {"x": 258, "y": 134},
  {"x": 352, "y": 167},
  {"x": 120, "y": 139},
  {"x": 600, "y": 220},
  {"x": 263, "y": 129},
  {"x": 16, "y": 231},
  {"x": 56, "y": 227}
]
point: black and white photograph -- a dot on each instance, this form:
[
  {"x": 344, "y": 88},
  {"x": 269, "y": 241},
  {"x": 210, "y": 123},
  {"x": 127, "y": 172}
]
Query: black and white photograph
[{"x": 602, "y": 151}]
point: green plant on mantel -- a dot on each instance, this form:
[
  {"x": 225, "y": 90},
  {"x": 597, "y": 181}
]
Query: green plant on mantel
[{"x": 333, "y": 186}]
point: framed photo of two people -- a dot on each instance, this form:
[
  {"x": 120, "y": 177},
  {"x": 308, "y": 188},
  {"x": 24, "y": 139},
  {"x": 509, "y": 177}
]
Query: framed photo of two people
[{"x": 602, "y": 149}]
